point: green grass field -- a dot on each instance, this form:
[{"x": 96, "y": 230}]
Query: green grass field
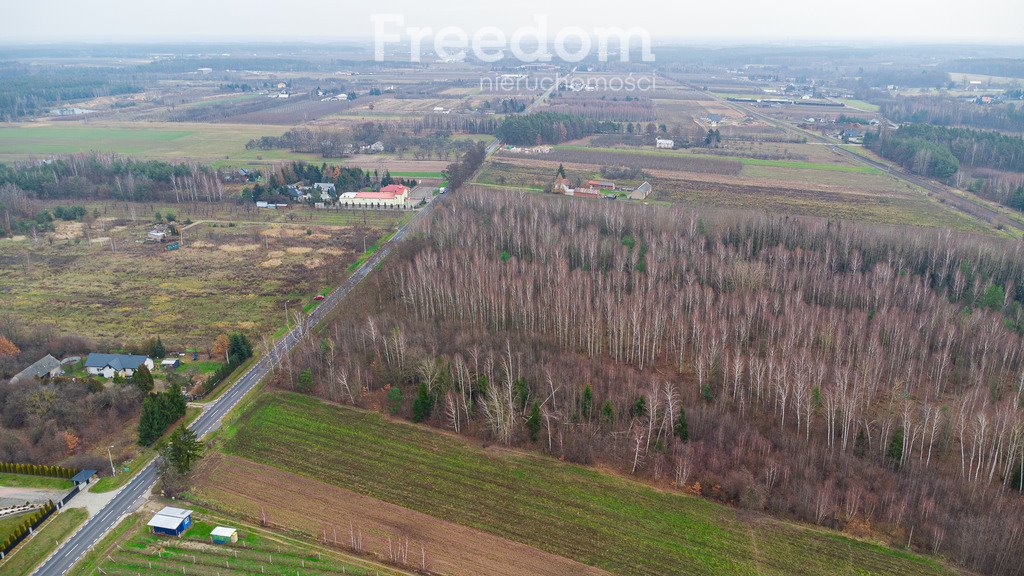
[
  {"x": 31, "y": 552},
  {"x": 859, "y": 104},
  {"x": 29, "y": 481},
  {"x": 165, "y": 140},
  {"x": 599, "y": 519},
  {"x": 827, "y": 166},
  {"x": 131, "y": 549}
]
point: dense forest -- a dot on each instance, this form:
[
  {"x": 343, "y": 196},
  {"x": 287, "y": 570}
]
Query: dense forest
[
  {"x": 944, "y": 111},
  {"x": 104, "y": 176},
  {"x": 995, "y": 161},
  {"x": 549, "y": 128},
  {"x": 28, "y": 91},
  {"x": 860, "y": 378}
]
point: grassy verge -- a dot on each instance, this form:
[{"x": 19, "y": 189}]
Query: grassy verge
[
  {"x": 371, "y": 251},
  {"x": 30, "y": 481},
  {"x": 92, "y": 559},
  {"x": 109, "y": 483},
  {"x": 31, "y": 552},
  {"x": 599, "y": 519}
]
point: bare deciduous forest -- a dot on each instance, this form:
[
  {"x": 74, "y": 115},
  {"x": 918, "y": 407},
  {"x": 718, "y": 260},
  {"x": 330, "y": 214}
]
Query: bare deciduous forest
[{"x": 859, "y": 378}]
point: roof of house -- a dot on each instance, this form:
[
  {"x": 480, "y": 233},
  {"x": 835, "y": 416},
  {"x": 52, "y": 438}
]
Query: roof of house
[
  {"x": 374, "y": 195},
  {"x": 223, "y": 531},
  {"x": 83, "y": 476},
  {"x": 165, "y": 522},
  {"x": 324, "y": 185},
  {"x": 394, "y": 189},
  {"x": 174, "y": 512},
  {"x": 39, "y": 368},
  {"x": 115, "y": 361}
]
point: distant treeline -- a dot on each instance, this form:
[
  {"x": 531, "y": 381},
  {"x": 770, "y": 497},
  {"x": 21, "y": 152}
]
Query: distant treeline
[
  {"x": 1008, "y": 67},
  {"x": 28, "y": 91},
  {"x": 111, "y": 176},
  {"x": 549, "y": 128},
  {"x": 178, "y": 65},
  {"x": 954, "y": 112}
]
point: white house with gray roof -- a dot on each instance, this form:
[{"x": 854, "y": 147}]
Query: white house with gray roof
[{"x": 110, "y": 365}]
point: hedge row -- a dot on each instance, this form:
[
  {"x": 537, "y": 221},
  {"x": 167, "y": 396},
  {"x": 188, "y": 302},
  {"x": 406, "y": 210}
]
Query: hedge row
[
  {"x": 38, "y": 470},
  {"x": 30, "y": 521}
]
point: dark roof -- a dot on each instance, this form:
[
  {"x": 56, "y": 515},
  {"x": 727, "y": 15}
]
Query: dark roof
[
  {"x": 38, "y": 369},
  {"x": 83, "y": 476},
  {"x": 115, "y": 361}
]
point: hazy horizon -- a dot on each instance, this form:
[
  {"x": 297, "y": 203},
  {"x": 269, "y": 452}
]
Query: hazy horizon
[{"x": 321, "y": 21}]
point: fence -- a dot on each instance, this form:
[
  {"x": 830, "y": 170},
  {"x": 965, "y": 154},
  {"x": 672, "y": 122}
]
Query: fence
[{"x": 49, "y": 510}]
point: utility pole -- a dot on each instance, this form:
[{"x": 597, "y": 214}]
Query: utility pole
[{"x": 112, "y": 471}]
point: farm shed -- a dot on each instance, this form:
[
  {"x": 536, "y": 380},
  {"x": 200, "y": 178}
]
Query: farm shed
[
  {"x": 224, "y": 535},
  {"x": 170, "y": 363},
  {"x": 170, "y": 521},
  {"x": 84, "y": 477},
  {"x": 45, "y": 367},
  {"x": 641, "y": 192}
]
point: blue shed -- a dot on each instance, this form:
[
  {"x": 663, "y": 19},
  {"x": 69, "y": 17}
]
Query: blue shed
[{"x": 171, "y": 521}]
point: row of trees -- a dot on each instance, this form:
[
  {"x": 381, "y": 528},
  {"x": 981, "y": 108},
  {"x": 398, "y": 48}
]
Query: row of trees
[
  {"x": 847, "y": 376},
  {"x": 462, "y": 171},
  {"x": 37, "y": 470},
  {"x": 27, "y": 524},
  {"x": 549, "y": 128}
]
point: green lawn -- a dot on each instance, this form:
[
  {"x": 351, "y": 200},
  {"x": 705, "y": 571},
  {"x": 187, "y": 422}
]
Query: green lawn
[
  {"x": 859, "y": 104},
  {"x": 131, "y": 549},
  {"x": 617, "y": 524},
  {"x": 30, "y": 481},
  {"x": 31, "y": 552},
  {"x": 417, "y": 174}
]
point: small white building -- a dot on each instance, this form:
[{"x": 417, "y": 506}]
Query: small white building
[
  {"x": 664, "y": 143},
  {"x": 224, "y": 535}
]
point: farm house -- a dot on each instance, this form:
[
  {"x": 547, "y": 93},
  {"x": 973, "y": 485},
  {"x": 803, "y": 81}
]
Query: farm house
[
  {"x": 170, "y": 521},
  {"x": 110, "y": 365}
]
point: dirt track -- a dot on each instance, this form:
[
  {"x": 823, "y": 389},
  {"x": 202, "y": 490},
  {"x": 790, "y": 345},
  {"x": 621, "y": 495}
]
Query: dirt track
[{"x": 237, "y": 486}]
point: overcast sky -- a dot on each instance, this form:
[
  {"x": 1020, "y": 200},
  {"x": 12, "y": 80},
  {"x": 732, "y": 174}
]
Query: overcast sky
[{"x": 990, "y": 21}]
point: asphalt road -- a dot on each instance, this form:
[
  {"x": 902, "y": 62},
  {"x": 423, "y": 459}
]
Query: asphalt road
[
  {"x": 136, "y": 491},
  {"x": 131, "y": 496}
]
